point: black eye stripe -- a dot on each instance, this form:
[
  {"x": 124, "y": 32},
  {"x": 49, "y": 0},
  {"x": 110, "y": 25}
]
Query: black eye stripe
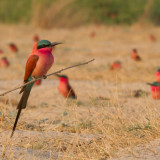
[{"x": 43, "y": 46}]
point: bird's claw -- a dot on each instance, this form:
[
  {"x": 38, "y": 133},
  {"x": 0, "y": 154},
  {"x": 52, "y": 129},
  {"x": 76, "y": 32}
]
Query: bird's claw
[{"x": 44, "y": 76}]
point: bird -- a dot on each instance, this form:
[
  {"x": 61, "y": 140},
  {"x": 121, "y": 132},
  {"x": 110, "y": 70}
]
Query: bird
[
  {"x": 135, "y": 55},
  {"x": 35, "y": 38},
  {"x": 92, "y": 34},
  {"x": 1, "y": 52},
  {"x": 157, "y": 75},
  {"x": 37, "y": 65},
  {"x": 38, "y": 82},
  {"x": 155, "y": 90},
  {"x": 115, "y": 65},
  {"x": 65, "y": 88},
  {"x": 13, "y": 47},
  {"x": 152, "y": 38},
  {"x": 4, "y": 63}
]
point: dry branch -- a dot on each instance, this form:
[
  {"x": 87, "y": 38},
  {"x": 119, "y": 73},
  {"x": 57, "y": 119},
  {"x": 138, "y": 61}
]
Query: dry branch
[{"x": 45, "y": 76}]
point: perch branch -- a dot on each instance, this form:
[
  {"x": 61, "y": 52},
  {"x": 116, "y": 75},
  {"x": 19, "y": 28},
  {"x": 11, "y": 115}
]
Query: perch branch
[{"x": 45, "y": 76}]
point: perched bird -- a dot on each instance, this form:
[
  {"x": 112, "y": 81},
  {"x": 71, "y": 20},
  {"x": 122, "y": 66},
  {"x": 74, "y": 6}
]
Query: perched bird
[
  {"x": 38, "y": 64},
  {"x": 4, "y": 62},
  {"x": 115, "y": 65},
  {"x": 35, "y": 38},
  {"x": 157, "y": 75},
  {"x": 64, "y": 87},
  {"x": 13, "y": 47},
  {"x": 38, "y": 82},
  {"x": 135, "y": 55},
  {"x": 155, "y": 90}
]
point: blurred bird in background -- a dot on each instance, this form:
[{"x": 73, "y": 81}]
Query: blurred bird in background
[
  {"x": 4, "y": 63},
  {"x": 65, "y": 88},
  {"x": 35, "y": 38},
  {"x": 116, "y": 65},
  {"x": 13, "y": 47},
  {"x": 38, "y": 82},
  {"x": 152, "y": 38},
  {"x": 155, "y": 90},
  {"x": 135, "y": 55},
  {"x": 157, "y": 75}
]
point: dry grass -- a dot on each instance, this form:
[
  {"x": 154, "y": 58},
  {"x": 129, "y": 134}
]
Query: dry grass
[{"x": 105, "y": 119}]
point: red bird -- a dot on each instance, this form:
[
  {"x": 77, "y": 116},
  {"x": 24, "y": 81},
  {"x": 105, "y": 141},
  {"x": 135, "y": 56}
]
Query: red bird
[
  {"x": 1, "y": 52},
  {"x": 115, "y": 65},
  {"x": 157, "y": 75},
  {"x": 152, "y": 38},
  {"x": 64, "y": 87},
  {"x": 135, "y": 55},
  {"x": 35, "y": 38},
  {"x": 155, "y": 90},
  {"x": 92, "y": 34},
  {"x": 38, "y": 82},
  {"x": 4, "y": 62},
  {"x": 13, "y": 47}
]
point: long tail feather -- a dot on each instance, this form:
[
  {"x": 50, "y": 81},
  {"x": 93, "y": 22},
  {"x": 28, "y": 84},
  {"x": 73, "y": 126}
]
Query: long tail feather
[
  {"x": 22, "y": 104},
  {"x": 15, "y": 123},
  {"x": 24, "y": 99}
]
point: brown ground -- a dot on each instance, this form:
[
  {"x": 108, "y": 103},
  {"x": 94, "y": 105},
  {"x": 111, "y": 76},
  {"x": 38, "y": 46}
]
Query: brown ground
[{"x": 106, "y": 121}]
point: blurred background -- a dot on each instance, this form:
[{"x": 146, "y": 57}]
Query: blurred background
[{"x": 73, "y": 13}]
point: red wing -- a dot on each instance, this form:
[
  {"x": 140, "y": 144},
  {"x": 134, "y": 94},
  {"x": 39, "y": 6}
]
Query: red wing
[{"x": 30, "y": 65}]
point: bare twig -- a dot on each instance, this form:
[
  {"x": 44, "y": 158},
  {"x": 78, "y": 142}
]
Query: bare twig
[{"x": 45, "y": 76}]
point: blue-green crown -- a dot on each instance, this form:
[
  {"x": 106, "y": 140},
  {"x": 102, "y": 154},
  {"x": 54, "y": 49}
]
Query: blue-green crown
[{"x": 43, "y": 44}]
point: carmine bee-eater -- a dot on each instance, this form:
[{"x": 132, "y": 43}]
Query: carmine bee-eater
[
  {"x": 35, "y": 38},
  {"x": 155, "y": 90},
  {"x": 1, "y": 52},
  {"x": 38, "y": 82},
  {"x": 37, "y": 65},
  {"x": 157, "y": 75},
  {"x": 64, "y": 87},
  {"x": 92, "y": 34},
  {"x": 115, "y": 65},
  {"x": 4, "y": 62},
  {"x": 13, "y": 47},
  {"x": 152, "y": 38},
  {"x": 135, "y": 55}
]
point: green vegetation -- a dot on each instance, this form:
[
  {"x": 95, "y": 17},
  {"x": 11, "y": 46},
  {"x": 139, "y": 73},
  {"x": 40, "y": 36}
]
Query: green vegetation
[
  {"x": 15, "y": 11},
  {"x": 69, "y": 13}
]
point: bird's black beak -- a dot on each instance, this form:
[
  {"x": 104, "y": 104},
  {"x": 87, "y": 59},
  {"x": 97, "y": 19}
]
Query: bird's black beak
[
  {"x": 149, "y": 84},
  {"x": 55, "y": 43}
]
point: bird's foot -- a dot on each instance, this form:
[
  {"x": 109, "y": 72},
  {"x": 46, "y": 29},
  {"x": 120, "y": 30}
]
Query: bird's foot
[{"x": 44, "y": 76}]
